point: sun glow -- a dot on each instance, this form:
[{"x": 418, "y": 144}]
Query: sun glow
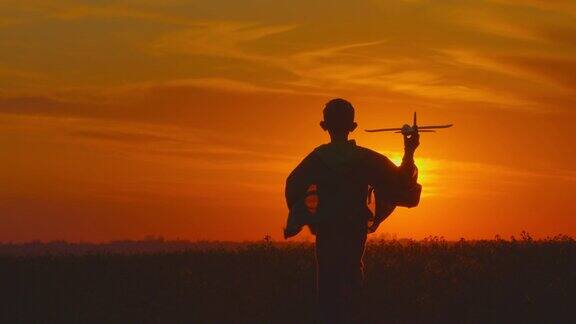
[{"x": 427, "y": 171}]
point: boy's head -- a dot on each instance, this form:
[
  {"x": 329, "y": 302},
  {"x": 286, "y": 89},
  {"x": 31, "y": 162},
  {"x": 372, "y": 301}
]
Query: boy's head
[{"x": 338, "y": 117}]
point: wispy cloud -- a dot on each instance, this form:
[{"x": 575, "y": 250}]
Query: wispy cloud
[
  {"x": 218, "y": 38},
  {"x": 236, "y": 52},
  {"x": 558, "y": 6},
  {"x": 561, "y": 71}
]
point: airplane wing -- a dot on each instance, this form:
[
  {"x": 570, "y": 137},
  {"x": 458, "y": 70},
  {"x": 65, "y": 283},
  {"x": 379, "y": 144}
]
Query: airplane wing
[
  {"x": 435, "y": 126},
  {"x": 383, "y": 130}
]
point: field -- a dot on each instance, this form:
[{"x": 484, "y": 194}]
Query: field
[{"x": 430, "y": 281}]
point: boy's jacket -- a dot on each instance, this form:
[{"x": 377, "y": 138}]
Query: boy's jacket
[{"x": 344, "y": 175}]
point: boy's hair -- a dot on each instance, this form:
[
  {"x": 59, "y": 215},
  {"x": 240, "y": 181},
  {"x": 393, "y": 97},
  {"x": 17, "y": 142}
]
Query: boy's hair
[{"x": 338, "y": 114}]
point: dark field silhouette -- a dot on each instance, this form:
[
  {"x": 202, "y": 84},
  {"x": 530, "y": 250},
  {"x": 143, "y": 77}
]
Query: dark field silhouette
[{"x": 429, "y": 281}]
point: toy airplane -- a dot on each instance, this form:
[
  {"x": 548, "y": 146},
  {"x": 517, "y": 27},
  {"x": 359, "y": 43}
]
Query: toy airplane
[{"x": 408, "y": 130}]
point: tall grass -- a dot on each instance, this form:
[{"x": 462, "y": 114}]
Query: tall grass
[{"x": 430, "y": 281}]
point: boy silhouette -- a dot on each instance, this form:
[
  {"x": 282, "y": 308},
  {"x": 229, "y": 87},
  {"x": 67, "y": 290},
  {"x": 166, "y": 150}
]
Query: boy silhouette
[{"x": 328, "y": 191}]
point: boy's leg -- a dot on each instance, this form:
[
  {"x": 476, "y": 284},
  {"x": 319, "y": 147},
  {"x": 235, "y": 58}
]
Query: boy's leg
[
  {"x": 358, "y": 276},
  {"x": 354, "y": 273},
  {"x": 329, "y": 278},
  {"x": 339, "y": 256}
]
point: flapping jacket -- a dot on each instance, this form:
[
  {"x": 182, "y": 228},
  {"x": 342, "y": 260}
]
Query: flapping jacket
[{"x": 345, "y": 175}]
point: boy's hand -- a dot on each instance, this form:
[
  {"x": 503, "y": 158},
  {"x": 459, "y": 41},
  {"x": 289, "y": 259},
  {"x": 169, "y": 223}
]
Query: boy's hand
[{"x": 411, "y": 141}]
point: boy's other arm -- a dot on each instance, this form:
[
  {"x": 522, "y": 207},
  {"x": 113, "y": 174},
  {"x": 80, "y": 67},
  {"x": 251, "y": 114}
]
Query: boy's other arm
[
  {"x": 298, "y": 181},
  {"x": 297, "y": 185}
]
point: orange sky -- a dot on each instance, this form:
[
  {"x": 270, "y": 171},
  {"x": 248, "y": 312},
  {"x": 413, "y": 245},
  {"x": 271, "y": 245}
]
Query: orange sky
[{"x": 121, "y": 119}]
